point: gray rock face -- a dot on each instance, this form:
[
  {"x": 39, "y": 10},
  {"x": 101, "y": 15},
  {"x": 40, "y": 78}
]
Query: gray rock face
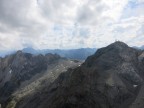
[
  {"x": 111, "y": 78},
  {"x": 22, "y": 73}
]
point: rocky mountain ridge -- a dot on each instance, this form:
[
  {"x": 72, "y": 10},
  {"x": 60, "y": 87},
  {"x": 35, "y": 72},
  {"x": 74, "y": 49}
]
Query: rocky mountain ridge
[
  {"x": 111, "y": 78},
  {"x": 22, "y": 73}
]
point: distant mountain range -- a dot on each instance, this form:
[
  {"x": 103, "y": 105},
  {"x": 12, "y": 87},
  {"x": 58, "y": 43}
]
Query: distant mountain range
[
  {"x": 141, "y": 47},
  {"x": 80, "y": 54},
  {"x": 4, "y": 53}
]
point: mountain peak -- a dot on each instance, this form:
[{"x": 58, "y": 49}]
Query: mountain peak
[
  {"x": 112, "y": 55},
  {"x": 119, "y": 45},
  {"x": 19, "y": 52}
]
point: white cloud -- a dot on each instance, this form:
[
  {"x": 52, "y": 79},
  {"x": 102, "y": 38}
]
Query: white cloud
[
  {"x": 141, "y": 1},
  {"x": 70, "y": 23},
  {"x": 115, "y": 8}
]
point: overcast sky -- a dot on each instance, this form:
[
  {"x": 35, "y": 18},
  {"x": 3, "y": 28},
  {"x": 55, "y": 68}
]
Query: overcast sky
[{"x": 65, "y": 24}]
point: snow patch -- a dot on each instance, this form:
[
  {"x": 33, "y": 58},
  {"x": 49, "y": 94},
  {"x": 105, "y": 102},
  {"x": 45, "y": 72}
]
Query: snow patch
[
  {"x": 135, "y": 86},
  {"x": 10, "y": 71}
]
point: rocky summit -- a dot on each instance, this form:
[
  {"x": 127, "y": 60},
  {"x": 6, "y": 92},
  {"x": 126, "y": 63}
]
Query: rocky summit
[{"x": 111, "y": 78}]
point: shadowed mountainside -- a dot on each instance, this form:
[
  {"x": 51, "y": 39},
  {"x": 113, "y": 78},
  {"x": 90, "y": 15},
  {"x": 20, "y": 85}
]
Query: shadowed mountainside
[
  {"x": 23, "y": 73},
  {"x": 111, "y": 78}
]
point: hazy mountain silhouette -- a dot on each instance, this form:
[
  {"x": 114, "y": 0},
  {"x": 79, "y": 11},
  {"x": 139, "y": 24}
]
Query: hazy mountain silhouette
[{"x": 80, "y": 54}]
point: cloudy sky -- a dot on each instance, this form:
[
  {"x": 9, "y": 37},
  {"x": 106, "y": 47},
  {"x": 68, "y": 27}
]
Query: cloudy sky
[{"x": 65, "y": 24}]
